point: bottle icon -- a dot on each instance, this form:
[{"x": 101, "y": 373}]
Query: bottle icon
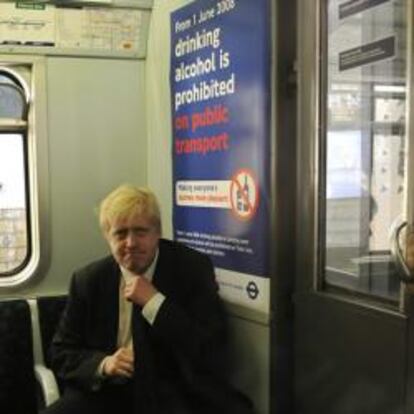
[
  {"x": 243, "y": 196},
  {"x": 246, "y": 197}
]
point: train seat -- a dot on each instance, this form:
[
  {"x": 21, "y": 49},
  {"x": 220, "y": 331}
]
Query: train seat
[
  {"x": 50, "y": 311},
  {"x": 45, "y": 314},
  {"x": 17, "y": 378}
]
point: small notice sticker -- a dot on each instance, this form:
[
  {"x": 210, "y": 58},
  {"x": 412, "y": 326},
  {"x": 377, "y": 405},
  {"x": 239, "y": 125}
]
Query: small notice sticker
[
  {"x": 30, "y": 6},
  {"x": 356, "y": 6},
  {"x": 368, "y": 53}
]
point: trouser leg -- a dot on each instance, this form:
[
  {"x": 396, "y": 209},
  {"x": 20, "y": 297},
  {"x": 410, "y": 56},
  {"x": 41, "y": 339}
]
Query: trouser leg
[{"x": 107, "y": 401}]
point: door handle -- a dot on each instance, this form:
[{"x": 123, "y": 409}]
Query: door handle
[{"x": 403, "y": 270}]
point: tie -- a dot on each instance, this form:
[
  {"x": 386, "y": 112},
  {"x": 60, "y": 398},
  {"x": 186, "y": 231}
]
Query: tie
[{"x": 144, "y": 380}]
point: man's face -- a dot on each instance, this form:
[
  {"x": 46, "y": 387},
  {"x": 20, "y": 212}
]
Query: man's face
[{"x": 133, "y": 242}]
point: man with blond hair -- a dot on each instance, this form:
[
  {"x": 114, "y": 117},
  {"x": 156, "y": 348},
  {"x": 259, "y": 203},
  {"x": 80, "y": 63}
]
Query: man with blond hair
[{"x": 144, "y": 331}]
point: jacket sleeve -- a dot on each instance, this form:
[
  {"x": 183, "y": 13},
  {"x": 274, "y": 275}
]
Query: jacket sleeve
[{"x": 73, "y": 360}]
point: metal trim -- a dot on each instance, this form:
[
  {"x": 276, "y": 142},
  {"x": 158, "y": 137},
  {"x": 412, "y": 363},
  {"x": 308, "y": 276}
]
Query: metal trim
[{"x": 308, "y": 140}]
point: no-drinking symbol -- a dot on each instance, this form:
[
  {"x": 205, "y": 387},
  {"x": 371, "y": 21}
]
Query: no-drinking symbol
[{"x": 244, "y": 194}]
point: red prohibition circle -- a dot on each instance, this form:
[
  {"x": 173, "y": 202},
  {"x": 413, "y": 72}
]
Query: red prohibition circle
[{"x": 237, "y": 187}]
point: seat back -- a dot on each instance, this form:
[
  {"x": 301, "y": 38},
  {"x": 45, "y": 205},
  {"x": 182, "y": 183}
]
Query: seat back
[
  {"x": 50, "y": 311},
  {"x": 17, "y": 379}
]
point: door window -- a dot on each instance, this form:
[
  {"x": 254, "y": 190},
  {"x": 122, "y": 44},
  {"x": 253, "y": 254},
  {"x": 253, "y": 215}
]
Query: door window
[{"x": 364, "y": 143}]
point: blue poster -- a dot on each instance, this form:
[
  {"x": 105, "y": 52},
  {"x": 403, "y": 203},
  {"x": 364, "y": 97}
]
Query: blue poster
[{"x": 220, "y": 95}]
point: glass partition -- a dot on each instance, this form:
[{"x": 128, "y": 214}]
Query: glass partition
[{"x": 363, "y": 143}]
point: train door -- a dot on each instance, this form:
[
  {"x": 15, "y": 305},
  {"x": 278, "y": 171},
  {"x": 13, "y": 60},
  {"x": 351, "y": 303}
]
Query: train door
[{"x": 354, "y": 329}]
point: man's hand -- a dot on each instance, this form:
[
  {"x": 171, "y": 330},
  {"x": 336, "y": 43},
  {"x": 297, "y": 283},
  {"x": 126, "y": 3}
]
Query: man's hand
[
  {"x": 139, "y": 291},
  {"x": 120, "y": 364}
]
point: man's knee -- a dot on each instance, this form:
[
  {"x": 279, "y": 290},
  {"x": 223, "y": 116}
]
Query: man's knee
[{"x": 74, "y": 401}]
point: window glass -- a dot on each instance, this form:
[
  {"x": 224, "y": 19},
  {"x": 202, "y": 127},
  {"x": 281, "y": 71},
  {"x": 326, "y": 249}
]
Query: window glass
[
  {"x": 364, "y": 143},
  {"x": 14, "y": 225},
  {"x": 12, "y": 103},
  {"x": 6, "y": 79}
]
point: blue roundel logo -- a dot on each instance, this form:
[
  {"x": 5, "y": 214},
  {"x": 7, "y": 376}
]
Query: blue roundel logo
[{"x": 252, "y": 290}]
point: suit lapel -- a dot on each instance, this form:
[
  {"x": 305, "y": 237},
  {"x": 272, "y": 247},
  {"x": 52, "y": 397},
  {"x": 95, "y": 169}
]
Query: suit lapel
[
  {"x": 163, "y": 279},
  {"x": 111, "y": 302}
]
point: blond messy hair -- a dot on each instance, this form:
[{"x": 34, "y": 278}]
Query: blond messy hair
[{"x": 128, "y": 200}]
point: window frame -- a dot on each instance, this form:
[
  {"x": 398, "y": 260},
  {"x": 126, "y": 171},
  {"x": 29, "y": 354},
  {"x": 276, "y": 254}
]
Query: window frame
[{"x": 30, "y": 72}]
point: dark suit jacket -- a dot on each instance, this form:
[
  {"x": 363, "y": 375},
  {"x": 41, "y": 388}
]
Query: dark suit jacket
[{"x": 181, "y": 357}]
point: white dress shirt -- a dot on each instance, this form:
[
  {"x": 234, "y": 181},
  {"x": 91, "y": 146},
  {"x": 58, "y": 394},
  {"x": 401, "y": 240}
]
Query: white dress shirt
[{"x": 149, "y": 311}]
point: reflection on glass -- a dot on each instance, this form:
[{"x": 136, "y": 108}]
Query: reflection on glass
[{"x": 365, "y": 144}]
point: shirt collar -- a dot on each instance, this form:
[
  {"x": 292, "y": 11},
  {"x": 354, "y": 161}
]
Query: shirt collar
[{"x": 149, "y": 273}]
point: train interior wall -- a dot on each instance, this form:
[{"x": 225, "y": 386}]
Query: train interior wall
[
  {"x": 108, "y": 122},
  {"x": 96, "y": 137}
]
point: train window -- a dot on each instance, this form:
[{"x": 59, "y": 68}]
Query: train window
[
  {"x": 14, "y": 210},
  {"x": 363, "y": 145}
]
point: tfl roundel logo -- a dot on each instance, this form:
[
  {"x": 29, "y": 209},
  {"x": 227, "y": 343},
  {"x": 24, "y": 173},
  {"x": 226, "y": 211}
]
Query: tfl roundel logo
[{"x": 252, "y": 290}]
